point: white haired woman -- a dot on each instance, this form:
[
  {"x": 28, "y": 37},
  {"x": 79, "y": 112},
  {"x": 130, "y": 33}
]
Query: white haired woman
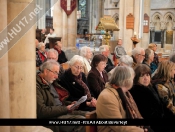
[
  {"x": 86, "y": 53},
  {"x": 115, "y": 101},
  {"x": 40, "y": 54},
  {"x": 124, "y": 60},
  {"x": 75, "y": 82}
]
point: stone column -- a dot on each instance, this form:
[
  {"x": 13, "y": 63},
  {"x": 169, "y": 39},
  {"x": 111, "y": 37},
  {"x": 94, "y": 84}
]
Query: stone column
[
  {"x": 162, "y": 38},
  {"x": 42, "y": 21},
  {"x": 65, "y": 30},
  {"x": 4, "y": 82},
  {"x": 173, "y": 49},
  {"x": 22, "y": 70},
  {"x": 72, "y": 28}
]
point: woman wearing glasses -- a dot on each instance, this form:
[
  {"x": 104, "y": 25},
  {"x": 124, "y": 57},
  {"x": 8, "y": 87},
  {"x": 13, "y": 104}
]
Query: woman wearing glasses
[{"x": 74, "y": 81}]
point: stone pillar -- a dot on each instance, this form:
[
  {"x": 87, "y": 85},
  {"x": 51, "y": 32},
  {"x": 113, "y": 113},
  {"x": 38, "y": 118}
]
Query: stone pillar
[
  {"x": 65, "y": 31},
  {"x": 162, "y": 38},
  {"x": 72, "y": 28},
  {"x": 60, "y": 23},
  {"x": 173, "y": 49},
  {"x": 22, "y": 70},
  {"x": 4, "y": 82},
  {"x": 42, "y": 21}
]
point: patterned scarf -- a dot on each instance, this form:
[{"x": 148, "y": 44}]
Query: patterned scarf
[
  {"x": 129, "y": 104},
  {"x": 78, "y": 79}
]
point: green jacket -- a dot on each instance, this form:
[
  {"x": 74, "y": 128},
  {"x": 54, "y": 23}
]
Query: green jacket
[{"x": 45, "y": 102}]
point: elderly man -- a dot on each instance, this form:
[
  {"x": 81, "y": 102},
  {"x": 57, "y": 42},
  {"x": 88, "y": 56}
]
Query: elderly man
[
  {"x": 104, "y": 50},
  {"x": 62, "y": 57},
  {"x": 52, "y": 54},
  {"x": 119, "y": 51},
  {"x": 51, "y": 97},
  {"x": 138, "y": 55}
]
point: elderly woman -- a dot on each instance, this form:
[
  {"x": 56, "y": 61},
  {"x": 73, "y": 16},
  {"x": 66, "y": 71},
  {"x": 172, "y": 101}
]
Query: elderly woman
[
  {"x": 115, "y": 101},
  {"x": 40, "y": 54},
  {"x": 97, "y": 76},
  {"x": 145, "y": 96},
  {"x": 149, "y": 57},
  {"x": 74, "y": 81},
  {"x": 124, "y": 60},
  {"x": 86, "y": 53},
  {"x": 164, "y": 84},
  {"x": 153, "y": 47}
]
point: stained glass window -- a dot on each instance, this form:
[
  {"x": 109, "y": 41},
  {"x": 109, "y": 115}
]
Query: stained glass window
[{"x": 82, "y": 7}]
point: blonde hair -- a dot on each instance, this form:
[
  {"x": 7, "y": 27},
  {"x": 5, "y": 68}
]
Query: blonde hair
[
  {"x": 151, "y": 45},
  {"x": 164, "y": 70}
]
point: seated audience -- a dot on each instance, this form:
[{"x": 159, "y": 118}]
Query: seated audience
[
  {"x": 149, "y": 56},
  {"x": 86, "y": 53},
  {"x": 138, "y": 55},
  {"x": 146, "y": 97},
  {"x": 50, "y": 104},
  {"x": 104, "y": 50},
  {"x": 62, "y": 57},
  {"x": 97, "y": 76},
  {"x": 40, "y": 54},
  {"x": 124, "y": 60},
  {"x": 164, "y": 85},
  {"x": 74, "y": 80},
  {"x": 116, "y": 102}
]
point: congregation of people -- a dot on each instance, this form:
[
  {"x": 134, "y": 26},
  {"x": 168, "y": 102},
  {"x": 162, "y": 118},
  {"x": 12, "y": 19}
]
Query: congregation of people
[{"x": 125, "y": 87}]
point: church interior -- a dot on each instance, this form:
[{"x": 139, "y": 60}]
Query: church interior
[{"x": 76, "y": 23}]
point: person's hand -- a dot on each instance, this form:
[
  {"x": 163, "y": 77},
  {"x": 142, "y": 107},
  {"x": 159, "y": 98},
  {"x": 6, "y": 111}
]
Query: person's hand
[
  {"x": 74, "y": 103},
  {"x": 69, "y": 108},
  {"x": 93, "y": 102}
]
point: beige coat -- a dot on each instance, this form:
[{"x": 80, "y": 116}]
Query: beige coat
[{"x": 109, "y": 105}]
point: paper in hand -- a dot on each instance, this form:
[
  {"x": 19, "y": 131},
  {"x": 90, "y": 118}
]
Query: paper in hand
[{"x": 81, "y": 100}]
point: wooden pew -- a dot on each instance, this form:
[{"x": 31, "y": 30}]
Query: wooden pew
[{"x": 91, "y": 115}]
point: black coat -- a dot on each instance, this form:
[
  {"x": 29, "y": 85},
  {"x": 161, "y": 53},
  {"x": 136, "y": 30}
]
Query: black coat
[
  {"x": 109, "y": 66},
  {"x": 62, "y": 57},
  {"x": 76, "y": 91},
  {"x": 95, "y": 82},
  {"x": 148, "y": 101}
]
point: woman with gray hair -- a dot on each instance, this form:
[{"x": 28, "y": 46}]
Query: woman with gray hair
[
  {"x": 124, "y": 60},
  {"x": 74, "y": 80},
  {"x": 40, "y": 54},
  {"x": 115, "y": 101},
  {"x": 86, "y": 53},
  {"x": 149, "y": 57}
]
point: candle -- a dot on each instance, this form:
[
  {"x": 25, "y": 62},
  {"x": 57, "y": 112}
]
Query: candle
[{"x": 135, "y": 33}]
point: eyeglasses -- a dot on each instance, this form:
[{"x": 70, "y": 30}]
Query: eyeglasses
[
  {"x": 79, "y": 67},
  {"x": 142, "y": 55},
  {"x": 51, "y": 58},
  {"x": 56, "y": 73}
]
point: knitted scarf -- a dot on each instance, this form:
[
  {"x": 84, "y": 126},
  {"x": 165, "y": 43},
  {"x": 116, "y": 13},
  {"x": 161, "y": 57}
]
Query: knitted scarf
[
  {"x": 129, "y": 104},
  {"x": 79, "y": 80}
]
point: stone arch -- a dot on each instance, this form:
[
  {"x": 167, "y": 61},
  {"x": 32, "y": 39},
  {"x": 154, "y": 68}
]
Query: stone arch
[
  {"x": 116, "y": 17},
  {"x": 169, "y": 19},
  {"x": 156, "y": 20}
]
